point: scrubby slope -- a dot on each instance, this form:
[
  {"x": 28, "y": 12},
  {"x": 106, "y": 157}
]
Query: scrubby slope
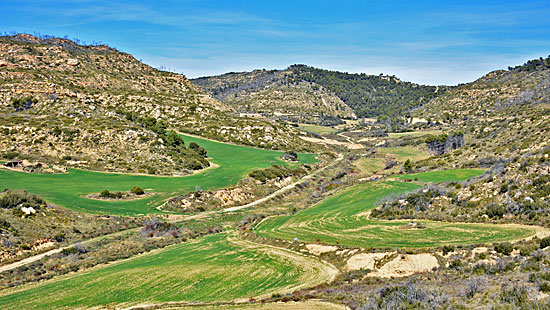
[
  {"x": 306, "y": 90},
  {"x": 274, "y": 91},
  {"x": 503, "y": 114},
  {"x": 96, "y": 107}
]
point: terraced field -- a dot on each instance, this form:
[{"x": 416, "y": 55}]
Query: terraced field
[
  {"x": 212, "y": 268},
  {"x": 402, "y": 153},
  {"x": 343, "y": 218},
  {"x": 67, "y": 189},
  {"x": 317, "y": 129}
]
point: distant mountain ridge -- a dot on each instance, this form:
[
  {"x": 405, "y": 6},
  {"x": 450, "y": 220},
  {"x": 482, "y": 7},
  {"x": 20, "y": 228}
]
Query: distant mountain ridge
[{"x": 309, "y": 90}]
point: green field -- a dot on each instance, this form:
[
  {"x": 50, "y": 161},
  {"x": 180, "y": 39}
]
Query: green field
[
  {"x": 370, "y": 165},
  {"x": 66, "y": 189},
  {"x": 211, "y": 268},
  {"x": 398, "y": 153},
  {"x": 343, "y": 218},
  {"x": 442, "y": 175},
  {"x": 317, "y": 129}
]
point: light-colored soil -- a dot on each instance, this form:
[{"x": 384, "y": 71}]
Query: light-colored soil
[
  {"x": 292, "y": 305},
  {"x": 366, "y": 260},
  {"x": 319, "y": 249},
  {"x": 405, "y": 265},
  {"x": 351, "y": 146}
]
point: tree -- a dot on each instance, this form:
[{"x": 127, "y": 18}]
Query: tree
[
  {"x": 408, "y": 165},
  {"x": 172, "y": 139}
]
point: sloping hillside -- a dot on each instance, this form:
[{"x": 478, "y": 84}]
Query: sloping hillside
[
  {"x": 274, "y": 91},
  {"x": 371, "y": 95},
  {"x": 504, "y": 114},
  {"x": 306, "y": 90},
  {"x": 95, "y": 107}
]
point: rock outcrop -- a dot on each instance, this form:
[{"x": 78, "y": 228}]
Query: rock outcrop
[{"x": 439, "y": 145}]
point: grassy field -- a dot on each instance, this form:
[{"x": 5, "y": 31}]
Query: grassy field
[
  {"x": 402, "y": 153},
  {"x": 441, "y": 175},
  {"x": 370, "y": 165},
  {"x": 343, "y": 218},
  {"x": 317, "y": 129},
  {"x": 66, "y": 189},
  {"x": 212, "y": 268},
  {"x": 398, "y": 153}
]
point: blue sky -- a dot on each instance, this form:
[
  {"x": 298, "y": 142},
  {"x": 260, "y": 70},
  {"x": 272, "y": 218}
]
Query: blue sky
[{"x": 431, "y": 42}]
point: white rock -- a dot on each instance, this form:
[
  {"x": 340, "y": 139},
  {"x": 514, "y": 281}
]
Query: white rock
[
  {"x": 72, "y": 62},
  {"x": 28, "y": 211}
]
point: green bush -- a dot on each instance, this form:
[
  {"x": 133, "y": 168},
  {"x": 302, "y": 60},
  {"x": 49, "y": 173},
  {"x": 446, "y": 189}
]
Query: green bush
[
  {"x": 107, "y": 194},
  {"x": 136, "y": 190},
  {"x": 14, "y": 198},
  {"x": 447, "y": 249},
  {"x": 505, "y": 248},
  {"x": 544, "y": 242},
  {"x": 408, "y": 165},
  {"x": 495, "y": 211}
]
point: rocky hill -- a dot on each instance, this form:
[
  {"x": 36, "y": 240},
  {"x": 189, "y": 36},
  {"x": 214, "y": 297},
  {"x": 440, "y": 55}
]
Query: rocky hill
[
  {"x": 95, "y": 107},
  {"x": 305, "y": 90},
  {"x": 274, "y": 92},
  {"x": 503, "y": 114}
]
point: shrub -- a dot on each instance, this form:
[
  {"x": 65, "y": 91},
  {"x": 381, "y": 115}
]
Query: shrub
[
  {"x": 495, "y": 211},
  {"x": 515, "y": 295},
  {"x": 544, "y": 242},
  {"x": 136, "y": 190},
  {"x": 544, "y": 286},
  {"x": 11, "y": 155},
  {"x": 15, "y": 198},
  {"x": 107, "y": 194},
  {"x": 447, "y": 249},
  {"x": 407, "y": 166},
  {"x": 505, "y": 248}
]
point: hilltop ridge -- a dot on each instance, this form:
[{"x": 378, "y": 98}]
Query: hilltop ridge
[{"x": 311, "y": 92}]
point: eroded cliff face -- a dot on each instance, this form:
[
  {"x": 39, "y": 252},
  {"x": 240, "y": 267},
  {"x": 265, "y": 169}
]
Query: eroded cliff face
[{"x": 440, "y": 146}]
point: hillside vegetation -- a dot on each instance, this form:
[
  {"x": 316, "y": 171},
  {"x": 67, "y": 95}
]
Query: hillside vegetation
[
  {"x": 305, "y": 90},
  {"x": 95, "y": 107},
  {"x": 274, "y": 91},
  {"x": 502, "y": 115}
]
